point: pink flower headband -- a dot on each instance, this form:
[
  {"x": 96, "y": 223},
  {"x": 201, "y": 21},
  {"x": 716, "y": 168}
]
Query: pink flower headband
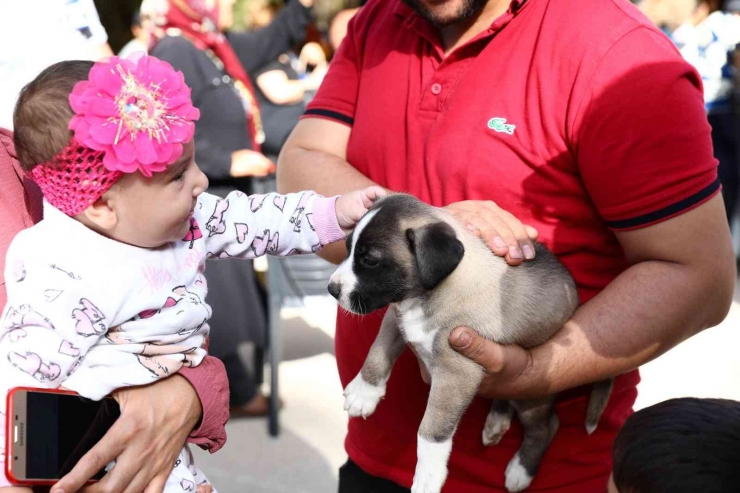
[{"x": 136, "y": 113}]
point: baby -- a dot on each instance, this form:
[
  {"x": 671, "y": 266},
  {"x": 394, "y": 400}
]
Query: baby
[{"x": 108, "y": 290}]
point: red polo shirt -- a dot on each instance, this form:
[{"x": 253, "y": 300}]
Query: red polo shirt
[{"x": 578, "y": 117}]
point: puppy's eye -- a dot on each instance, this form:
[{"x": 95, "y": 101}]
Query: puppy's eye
[{"x": 368, "y": 262}]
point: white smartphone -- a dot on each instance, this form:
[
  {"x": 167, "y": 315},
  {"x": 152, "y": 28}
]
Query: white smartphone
[{"x": 49, "y": 430}]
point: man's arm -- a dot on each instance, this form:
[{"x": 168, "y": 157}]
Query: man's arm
[
  {"x": 315, "y": 158},
  {"x": 681, "y": 282}
]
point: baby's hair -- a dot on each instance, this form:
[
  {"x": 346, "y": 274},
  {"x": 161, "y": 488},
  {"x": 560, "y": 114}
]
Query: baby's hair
[
  {"x": 680, "y": 445},
  {"x": 42, "y": 113}
]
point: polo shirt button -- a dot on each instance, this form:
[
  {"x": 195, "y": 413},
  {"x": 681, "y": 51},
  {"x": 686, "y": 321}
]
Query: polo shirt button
[{"x": 436, "y": 88}]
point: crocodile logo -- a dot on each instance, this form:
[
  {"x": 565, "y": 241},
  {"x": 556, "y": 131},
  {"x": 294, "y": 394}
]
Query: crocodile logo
[{"x": 498, "y": 124}]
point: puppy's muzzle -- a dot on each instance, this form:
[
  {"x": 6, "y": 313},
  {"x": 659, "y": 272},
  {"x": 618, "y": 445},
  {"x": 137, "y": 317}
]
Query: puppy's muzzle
[{"x": 335, "y": 289}]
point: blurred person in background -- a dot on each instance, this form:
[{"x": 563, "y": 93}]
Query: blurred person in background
[
  {"x": 338, "y": 26},
  {"x": 284, "y": 85},
  {"x": 708, "y": 39},
  {"x": 67, "y": 30},
  {"x": 140, "y": 41},
  {"x": 193, "y": 36}
]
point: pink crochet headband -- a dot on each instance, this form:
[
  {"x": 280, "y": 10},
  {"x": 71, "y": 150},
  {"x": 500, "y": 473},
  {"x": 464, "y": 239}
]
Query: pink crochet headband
[{"x": 130, "y": 115}]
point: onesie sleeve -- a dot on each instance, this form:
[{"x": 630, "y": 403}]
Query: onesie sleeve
[{"x": 247, "y": 226}]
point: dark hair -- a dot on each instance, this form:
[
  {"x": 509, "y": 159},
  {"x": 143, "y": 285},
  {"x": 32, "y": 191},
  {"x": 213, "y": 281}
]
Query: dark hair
[
  {"x": 42, "y": 113},
  {"x": 680, "y": 445}
]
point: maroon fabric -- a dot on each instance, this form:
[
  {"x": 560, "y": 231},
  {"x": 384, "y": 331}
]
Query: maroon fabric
[
  {"x": 20, "y": 201},
  {"x": 199, "y": 24},
  {"x": 210, "y": 382}
]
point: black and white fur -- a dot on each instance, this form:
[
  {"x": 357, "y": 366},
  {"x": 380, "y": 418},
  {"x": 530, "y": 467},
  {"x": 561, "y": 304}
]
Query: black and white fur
[{"x": 436, "y": 276}]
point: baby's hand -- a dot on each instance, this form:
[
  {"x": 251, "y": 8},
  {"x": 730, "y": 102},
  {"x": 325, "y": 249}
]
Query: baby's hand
[{"x": 352, "y": 206}]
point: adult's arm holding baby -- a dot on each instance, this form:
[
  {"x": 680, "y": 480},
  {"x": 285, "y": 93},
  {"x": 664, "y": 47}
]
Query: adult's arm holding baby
[{"x": 155, "y": 423}]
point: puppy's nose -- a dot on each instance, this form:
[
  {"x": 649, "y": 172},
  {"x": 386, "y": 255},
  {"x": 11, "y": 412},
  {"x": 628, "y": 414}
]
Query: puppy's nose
[{"x": 334, "y": 289}]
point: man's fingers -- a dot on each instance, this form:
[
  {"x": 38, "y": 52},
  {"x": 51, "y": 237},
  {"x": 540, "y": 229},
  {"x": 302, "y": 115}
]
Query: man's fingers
[
  {"x": 203, "y": 488},
  {"x": 157, "y": 484},
  {"x": 124, "y": 477},
  {"x": 532, "y": 232},
  {"x": 472, "y": 345},
  {"x": 525, "y": 246},
  {"x": 107, "y": 449}
]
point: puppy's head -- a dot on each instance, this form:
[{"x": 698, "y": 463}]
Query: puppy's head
[{"x": 399, "y": 250}]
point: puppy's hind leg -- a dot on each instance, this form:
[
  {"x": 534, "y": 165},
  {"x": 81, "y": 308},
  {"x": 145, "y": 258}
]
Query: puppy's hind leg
[
  {"x": 362, "y": 395},
  {"x": 597, "y": 402},
  {"x": 451, "y": 393},
  {"x": 540, "y": 424},
  {"x": 497, "y": 422}
]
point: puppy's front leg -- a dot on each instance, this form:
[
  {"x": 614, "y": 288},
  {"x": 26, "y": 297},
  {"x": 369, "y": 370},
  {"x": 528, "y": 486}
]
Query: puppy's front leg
[
  {"x": 452, "y": 390},
  {"x": 362, "y": 395}
]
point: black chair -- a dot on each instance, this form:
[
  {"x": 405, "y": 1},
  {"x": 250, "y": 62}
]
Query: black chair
[{"x": 289, "y": 280}]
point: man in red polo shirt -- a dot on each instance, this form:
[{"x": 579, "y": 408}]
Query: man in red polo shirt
[{"x": 577, "y": 117}]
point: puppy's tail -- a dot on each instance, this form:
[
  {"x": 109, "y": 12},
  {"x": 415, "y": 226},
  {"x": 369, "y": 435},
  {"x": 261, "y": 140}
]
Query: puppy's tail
[{"x": 597, "y": 403}]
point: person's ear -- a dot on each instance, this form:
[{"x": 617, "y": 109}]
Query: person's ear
[{"x": 102, "y": 214}]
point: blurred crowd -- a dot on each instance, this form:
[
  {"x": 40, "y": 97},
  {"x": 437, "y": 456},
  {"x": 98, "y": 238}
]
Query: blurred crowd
[{"x": 707, "y": 32}]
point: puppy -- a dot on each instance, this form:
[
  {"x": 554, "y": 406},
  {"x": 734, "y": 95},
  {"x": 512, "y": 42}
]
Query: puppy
[{"x": 436, "y": 276}]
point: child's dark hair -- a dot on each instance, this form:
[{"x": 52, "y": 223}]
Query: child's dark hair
[
  {"x": 42, "y": 113},
  {"x": 680, "y": 445}
]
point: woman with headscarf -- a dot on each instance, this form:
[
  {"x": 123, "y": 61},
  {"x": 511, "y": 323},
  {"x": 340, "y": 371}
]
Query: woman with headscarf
[{"x": 192, "y": 36}]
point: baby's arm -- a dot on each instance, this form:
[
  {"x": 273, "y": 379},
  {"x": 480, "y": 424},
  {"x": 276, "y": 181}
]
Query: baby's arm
[{"x": 280, "y": 225}]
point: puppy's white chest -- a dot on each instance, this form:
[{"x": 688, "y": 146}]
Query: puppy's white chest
[{"x": 414, "y": 326}]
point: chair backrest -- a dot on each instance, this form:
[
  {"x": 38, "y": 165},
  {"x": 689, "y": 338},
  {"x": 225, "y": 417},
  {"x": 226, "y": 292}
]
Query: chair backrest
[
  {"x": 299, "y": 276},
  {"x": 296, "y": 276}
]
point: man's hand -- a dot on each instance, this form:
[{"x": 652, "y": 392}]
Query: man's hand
[
  {"x": 145, "y": 441},
  {"x": 505, "y": 235},
  {"x": 502, "y": 365}
]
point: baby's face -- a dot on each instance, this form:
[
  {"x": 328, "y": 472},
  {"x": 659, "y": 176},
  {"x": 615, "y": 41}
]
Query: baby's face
[{"x": 154, "y": 211}]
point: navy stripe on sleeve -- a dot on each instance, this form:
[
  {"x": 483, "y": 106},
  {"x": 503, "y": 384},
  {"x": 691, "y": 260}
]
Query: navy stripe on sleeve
[
  {"x": 668, "y": 211},
  {"x": 330, "y": 114}
]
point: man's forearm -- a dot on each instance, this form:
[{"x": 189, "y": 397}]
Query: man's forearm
[
  {"x": 301, "y": 169},
  {"x": 647, "y": 310}
]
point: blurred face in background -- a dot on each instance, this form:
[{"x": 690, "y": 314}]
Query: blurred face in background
[{"x": 225, "y": 10}]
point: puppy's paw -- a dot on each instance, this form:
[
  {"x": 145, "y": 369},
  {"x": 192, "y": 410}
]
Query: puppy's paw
[
  {"x": 431, "y": 467},
  {"x": 361, "y": 398},
  {"x": 517, "y": 477},
  {"x": 428, "y": 480},
  {"x": 496, "y": 427}
]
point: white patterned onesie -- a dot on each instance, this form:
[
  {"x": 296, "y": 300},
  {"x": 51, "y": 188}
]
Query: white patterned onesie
[{"x": 94, "y": 315}]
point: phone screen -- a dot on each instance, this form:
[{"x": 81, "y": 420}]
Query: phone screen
[{"x": 60, "y": 429}]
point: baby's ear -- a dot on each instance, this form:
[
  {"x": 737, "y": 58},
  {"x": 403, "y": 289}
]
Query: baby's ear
[{"x": 101, "y": 214}]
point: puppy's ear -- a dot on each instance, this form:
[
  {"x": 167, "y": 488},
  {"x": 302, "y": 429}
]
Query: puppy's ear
[{"x": 437, "y": 251}]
